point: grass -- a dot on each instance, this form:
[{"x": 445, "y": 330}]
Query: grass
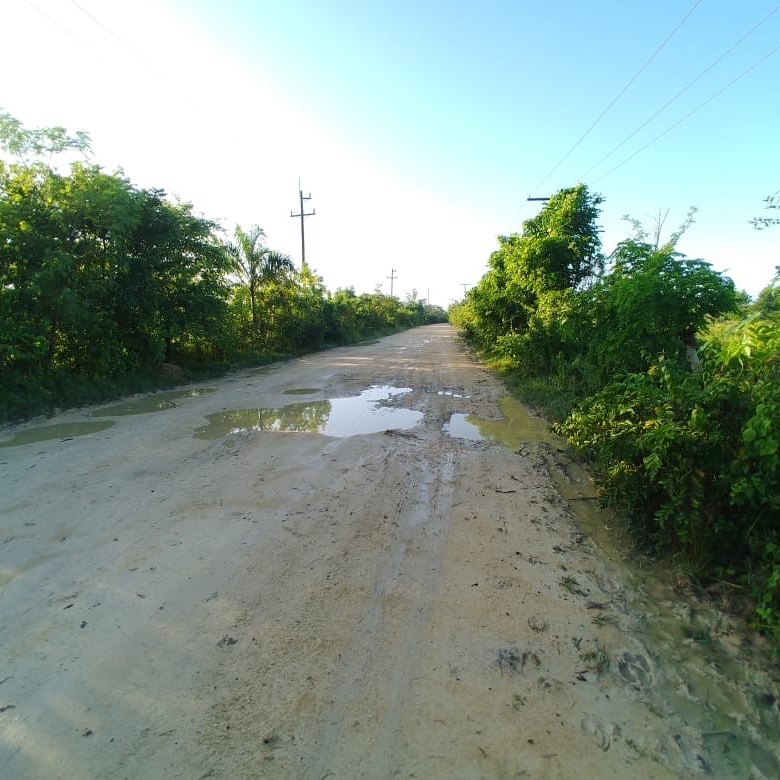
[
  {"x": 597, "y": 660},
  {"x": 605, "y": 620},
  {"x": 572, "y": 586}
]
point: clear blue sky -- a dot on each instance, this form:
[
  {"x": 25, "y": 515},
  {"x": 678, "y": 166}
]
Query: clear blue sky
[{"x": 419, "y": 127}]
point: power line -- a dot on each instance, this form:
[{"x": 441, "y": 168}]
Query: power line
[
  {"x": 692, "y": 111},
  {"x": 684, "y": 89},
  {"x": 115, "y": 36},
  {"x": 620, "y": 94},
  {"x": 54, "y": 22}
]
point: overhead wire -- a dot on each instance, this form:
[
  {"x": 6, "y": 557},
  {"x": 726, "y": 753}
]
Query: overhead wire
[
  {"x": 692, "y": 111},
  {"x": 114, "y": 36},
  {"x": 96, "y": 21},
  {"x": 681, "y": 92},
  {"x": 620, "y": 94},
  {"x": 54, "y": 21}
]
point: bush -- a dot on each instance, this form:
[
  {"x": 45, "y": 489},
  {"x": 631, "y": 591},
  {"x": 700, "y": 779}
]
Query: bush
[{"x": 693, "y": 458}]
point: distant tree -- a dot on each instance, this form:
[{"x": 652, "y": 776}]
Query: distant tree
[
  {"x": 256, "y": 264},
  {"x": 20, "y": 141},
  {"x": 767, "y": 303}
]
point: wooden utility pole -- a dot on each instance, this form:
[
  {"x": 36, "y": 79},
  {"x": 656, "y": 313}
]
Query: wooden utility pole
[
  {"x": 301, "y": 215},
  {"x": 392, "y": 277}
]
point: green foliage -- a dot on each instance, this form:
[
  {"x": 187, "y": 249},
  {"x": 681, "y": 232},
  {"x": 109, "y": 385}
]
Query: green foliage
[
  {"x": 679, "y": 411},
  {"x": 767, "y": 304},
  {"x": 529, "y": 274},
  {"x": 99, "y": 277},
  {"x": 22, "y": 142},
  {"x": 693, "y": 458},
  {"x": 772, "y": 202},
  {"x": 256, "y": 264},
  {"x": 101, "y": 282},
  {"x": 652, "y": 302}
]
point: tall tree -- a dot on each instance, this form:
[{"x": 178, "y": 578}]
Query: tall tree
[
  {"x": 535, "y": 271},
  {"x": 255, "y": 263}
]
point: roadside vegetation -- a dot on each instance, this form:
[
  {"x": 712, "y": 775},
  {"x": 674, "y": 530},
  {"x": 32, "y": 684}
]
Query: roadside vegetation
[
  {"x": 658, "y": 371},
  {"x": 108, "y": 289}
]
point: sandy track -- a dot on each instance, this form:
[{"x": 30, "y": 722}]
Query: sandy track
[{"x": 295, "y": 605}]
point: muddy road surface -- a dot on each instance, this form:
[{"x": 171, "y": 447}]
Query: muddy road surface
[{"x": 352, "y": 565}]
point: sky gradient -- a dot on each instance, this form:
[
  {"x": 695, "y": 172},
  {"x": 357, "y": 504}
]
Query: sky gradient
[{"x": 420, "y": 127}]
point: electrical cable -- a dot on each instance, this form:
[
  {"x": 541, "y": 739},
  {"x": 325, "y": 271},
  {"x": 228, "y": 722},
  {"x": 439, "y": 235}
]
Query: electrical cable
[
  {"x": 54, "y": 22},
  {"x": 684, "y": 89},
  {"x": 115, "y": 36},
  {"x": 692, "y": 111},
  {"x": 620, "y": 94}
]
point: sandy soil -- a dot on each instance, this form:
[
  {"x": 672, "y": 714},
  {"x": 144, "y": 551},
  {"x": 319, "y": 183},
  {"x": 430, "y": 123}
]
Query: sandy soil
[{"x": 297, "y": 605}]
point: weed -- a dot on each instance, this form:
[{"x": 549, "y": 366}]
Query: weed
[
  {"x": 596, "y": 660},
  {"x": 572, "y": 586}
]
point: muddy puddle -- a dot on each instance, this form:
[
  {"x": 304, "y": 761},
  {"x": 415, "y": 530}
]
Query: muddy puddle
[
  {"x": 337, "y": 417},
  {"x": 154, "y": 403},
  {"x": 61, "y": 431},
  {"x": 516, "y": 427},
  {"x": 713, "y": 685}
]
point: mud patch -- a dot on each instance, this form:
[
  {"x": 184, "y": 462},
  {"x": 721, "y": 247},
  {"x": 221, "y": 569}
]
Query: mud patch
[
  {"x": 154, "y": 403},
  {"x": 61, "y": 431}
]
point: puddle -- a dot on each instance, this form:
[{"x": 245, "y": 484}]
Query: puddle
[
  {"x": 517, "y": 426},
  {"x": 153, "y": 403},
  {"x": 337, "y": 417},
  {"x": 461, "y": 427},
  {"x": 57, "y": 431},
  {"x": 722, "y": 712},
  {"x": 302, "y": 391}
]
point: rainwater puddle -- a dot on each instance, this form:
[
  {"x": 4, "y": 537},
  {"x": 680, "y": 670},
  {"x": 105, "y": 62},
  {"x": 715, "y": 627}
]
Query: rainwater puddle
[
  {"x": 302, "y": 391},
  {"x": 719, "y": 704},
  {"x": 460, "y": 426},
  {"x": 516, "y": 427},
  {"x": 57, "y": 431},
  {"x": 338, "y": 417},
  {"x": 154, "y": 403}
]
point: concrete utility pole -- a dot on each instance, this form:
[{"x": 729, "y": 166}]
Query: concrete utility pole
[
  {"x": 465, "y": 288},
  {"x": 391, "y": 278},
  {"x": 301, "y": 215}
]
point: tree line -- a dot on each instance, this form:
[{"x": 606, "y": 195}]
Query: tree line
[
  {"x": 660, "y": 372},
  {"x": 103, "y": 282}
]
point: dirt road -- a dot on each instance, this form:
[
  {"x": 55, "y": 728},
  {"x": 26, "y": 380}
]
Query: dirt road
[{"x": 315, "y": 570}]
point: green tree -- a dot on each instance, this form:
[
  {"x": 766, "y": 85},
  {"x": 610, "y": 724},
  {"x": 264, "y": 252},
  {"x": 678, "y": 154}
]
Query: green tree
[
  {"x": 21, "y": 142},
  {"x": 256, "y": 264},
  {"x": 767, "y": 303},
  {"x": 516, "y": 308},
  {"x": 653, "y": 302}
]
